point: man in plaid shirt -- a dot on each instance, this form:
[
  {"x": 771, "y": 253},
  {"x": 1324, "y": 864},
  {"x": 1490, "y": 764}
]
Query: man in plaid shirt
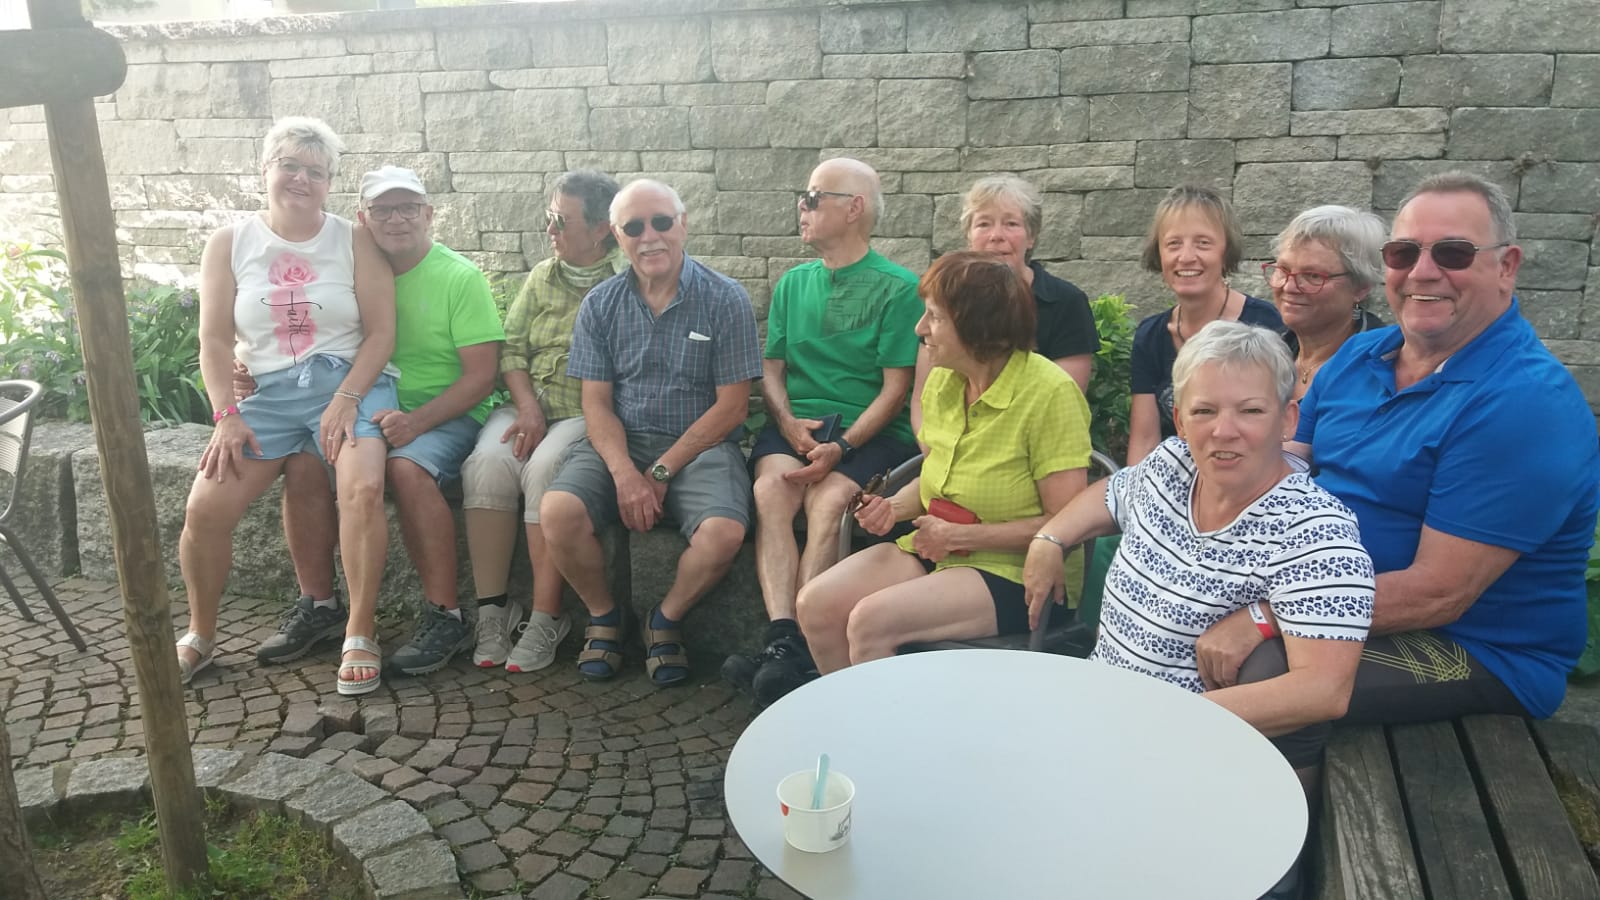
[{"x": 666, "y": 352}]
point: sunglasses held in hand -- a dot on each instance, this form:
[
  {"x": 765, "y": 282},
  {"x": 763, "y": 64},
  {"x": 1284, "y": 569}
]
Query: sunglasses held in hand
[
  {"x": 874, "y": 485},
  {"x": 661, "y": 224},
  {"x": 1454, "y": 254}
]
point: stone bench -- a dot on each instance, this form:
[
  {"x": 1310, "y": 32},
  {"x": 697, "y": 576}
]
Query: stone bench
[{"x": 63, "y": 515}]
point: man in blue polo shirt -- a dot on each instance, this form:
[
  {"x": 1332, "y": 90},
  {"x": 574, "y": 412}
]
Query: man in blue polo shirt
[
  {"x": 1470, "y": 457},
  {"x": 666, "y": 352}
]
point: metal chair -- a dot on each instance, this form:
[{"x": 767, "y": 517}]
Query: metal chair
[
  {"x": 16, "y": 428},
  {"x": 1074, "y": 638}
]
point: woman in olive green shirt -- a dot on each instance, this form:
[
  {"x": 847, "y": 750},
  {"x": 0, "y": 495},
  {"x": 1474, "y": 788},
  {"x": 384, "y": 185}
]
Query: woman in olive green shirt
[{"x": 1007, "y": 438}]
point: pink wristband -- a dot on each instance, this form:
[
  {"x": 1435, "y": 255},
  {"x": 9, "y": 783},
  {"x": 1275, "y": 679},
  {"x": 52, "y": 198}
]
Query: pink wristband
[{"x": 219, "y": 415}]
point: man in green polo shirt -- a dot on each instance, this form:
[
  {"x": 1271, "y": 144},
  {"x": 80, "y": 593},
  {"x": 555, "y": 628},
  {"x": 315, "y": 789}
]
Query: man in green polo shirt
[
  {"x": 841, "y": 347},
  {"x": 447, "y": 348}
]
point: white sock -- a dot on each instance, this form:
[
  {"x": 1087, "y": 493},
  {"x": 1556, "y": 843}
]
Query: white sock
[
  {"x": 331, "y": 603},
  {"x": 454, "y": 612}
]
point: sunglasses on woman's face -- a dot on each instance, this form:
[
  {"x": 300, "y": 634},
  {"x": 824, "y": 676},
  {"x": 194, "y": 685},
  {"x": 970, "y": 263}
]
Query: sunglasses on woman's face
[
  {"x": 813, "y": 198},
  {"x": 1454, "y": 254},
  {"x": 555, "y": 221},
  {"x": 660, "y": 224}
]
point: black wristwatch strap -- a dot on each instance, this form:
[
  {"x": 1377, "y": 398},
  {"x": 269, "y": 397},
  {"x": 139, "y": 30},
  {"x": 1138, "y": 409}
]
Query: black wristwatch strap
[{"x": 844, "y": 445}]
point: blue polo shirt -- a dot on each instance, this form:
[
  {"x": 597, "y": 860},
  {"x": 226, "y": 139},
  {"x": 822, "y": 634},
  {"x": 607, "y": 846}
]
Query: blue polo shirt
[
  {"x": 665, "y": 370},
  {"x": 1497, "y": 446}
]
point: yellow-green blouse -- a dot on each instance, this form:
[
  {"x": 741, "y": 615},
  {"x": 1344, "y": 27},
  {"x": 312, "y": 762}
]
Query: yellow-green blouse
[{"x": 990, "y": 456}]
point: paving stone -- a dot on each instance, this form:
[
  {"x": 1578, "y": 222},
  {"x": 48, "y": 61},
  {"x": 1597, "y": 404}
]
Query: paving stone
[
  {"x": 545, "y": 820},
  {"x": 625, "y": 885},
  {"x": 651, "y": 864},
  {"x": 533, "y": 868},
  {"x": 659, "y": 841},
  {"x": 304, "y": 721},
  {"x": 424, "y": 794},
  {"x": 446, "y": 812},
  {"x": 398, "y": 747},
  {"x": 494, "y": 880},
  {"x": 517, "y": 841},
  {"x": 682, "y": 881},
  {"x": 347, "y": 740},
  {"x": 374, "y": 769},
  {"x": 698, "y": 854},
  {"x": 472, "y": 758},
  {"x": 732, "y": 876},
  {"x": 503, "y": 816},
  {"x": 379, "y": 828},
  {"x": 380, "y": 722},
  {"x": 467, "y": 831},
  {"x": 480, "y": 856},
  {"x": 560, "y": 886},
  {"x": 591, "y": 866},
  {"x": 564, "y": 844},
  {"x": 425, "y": 870},
  {"x": 401, "y": 778},
  {"x": 275, "y": 777},
  {"x": 212, "y": 767},
  {"x": 432, "y": 754},
  {"x": 480, "y": 796},
  {"x": 338, "y": 796},
  {"x": 36, "y": 788},
  {"x": 298, "y": 746},
  {"x": 450, "y": 775},
  {"x": 105, "y": 777}
]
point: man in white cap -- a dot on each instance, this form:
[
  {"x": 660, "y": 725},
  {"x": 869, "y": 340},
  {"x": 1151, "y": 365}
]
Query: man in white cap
[{"x": 447, "y": 348}]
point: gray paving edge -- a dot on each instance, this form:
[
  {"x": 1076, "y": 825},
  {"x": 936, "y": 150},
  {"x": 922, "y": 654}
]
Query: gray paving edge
[{"x": 400, "y": 856}]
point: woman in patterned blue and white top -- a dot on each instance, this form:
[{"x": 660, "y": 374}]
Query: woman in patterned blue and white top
[{"x": 1213, "y": 521}]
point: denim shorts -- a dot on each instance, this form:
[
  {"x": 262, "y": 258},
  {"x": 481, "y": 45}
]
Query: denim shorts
[
  {"x": 441, "y": 449},
  {"x": 286, "y": 410}
]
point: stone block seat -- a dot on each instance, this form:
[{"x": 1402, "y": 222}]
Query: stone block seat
[{"x": 65, "y": 514}]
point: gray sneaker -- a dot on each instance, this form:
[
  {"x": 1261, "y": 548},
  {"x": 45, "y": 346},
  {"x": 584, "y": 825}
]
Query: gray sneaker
[
  {"x": 439, "y": 636},
  {"x": 497, "y": 628},
  {"x": 536, "y": 648},
  {"x": 303, "y": 626}
]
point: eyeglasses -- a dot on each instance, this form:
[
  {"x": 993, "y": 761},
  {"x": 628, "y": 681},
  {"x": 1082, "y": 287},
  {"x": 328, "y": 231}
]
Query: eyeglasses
[
  {"x": 1305, "y": 281},
  {"x": 813, "y": 198},
  {"x": 291, "y": 167},
  {"x": 1453, "y": 254},
  {"x": 384, "y": 213},
  {"x": 874, "y": 485},
  {"x": 660, "y": 223},
  {"x": 555, "y": 221}
]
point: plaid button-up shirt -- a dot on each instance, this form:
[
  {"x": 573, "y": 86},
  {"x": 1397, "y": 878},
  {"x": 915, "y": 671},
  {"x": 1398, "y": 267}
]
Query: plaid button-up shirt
[
  {"x": 539, "y": 328},
  {"x": 665, "y": 370}
]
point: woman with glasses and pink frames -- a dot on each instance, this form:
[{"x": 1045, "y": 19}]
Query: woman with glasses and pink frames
[
  {"x": 1324, "y": 266},
  {"x": 305, "y": 300}
]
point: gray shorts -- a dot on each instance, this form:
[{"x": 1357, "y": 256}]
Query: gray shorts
[{"x": 716, "y": 483}]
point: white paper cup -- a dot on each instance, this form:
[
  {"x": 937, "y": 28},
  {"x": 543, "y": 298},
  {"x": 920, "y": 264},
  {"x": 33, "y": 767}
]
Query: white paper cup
[{"x": 816, "y": 830}]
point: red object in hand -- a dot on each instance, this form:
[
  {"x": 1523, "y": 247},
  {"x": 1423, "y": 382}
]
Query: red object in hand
[{"x": 951, "y": 512}]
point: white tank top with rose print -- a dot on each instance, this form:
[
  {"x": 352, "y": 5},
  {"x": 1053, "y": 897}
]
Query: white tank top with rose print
[{"x": 295, "y": 299}]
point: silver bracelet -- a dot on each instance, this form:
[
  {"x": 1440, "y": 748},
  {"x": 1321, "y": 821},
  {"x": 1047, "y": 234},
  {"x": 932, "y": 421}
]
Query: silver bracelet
[
  {"x": 348, "y": 395},
  {"x": 1041, "y": 536}
]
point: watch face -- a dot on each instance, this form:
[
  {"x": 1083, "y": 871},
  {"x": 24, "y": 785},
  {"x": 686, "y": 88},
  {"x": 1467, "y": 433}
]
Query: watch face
[{"x": 659, "y": 472}]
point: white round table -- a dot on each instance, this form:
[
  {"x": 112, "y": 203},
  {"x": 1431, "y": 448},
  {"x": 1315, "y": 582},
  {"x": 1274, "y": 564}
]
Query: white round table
[{"x": 1006, "y": 774}]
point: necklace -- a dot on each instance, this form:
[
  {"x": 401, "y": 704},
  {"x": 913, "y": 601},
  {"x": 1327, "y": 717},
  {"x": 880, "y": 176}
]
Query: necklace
[{"x": 1177, "y": 322}]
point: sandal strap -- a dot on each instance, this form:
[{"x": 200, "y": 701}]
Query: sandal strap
[
  {"x": 197, "y": 643},
  {"x": 666, "y": 659},
  {"x": 611, "y": 633},
  {"x": 595, "y": 654},
  {"x": 364, "y": 644}
]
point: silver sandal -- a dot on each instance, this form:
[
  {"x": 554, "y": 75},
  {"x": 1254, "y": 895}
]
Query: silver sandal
[
  {"x": 207, "y": 651},
  {"x": 354, "y": 687}
]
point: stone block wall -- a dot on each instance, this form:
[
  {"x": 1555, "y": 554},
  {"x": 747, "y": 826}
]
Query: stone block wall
[{"x": 1103, "y": 104}]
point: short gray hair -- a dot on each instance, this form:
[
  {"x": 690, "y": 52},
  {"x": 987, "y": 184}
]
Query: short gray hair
[
  {"x": 302, "y": 134},
  {"x": 595, "y": 190},
  {"x": 1234, "y": 345},
  {"x": 1004, "y": 189},
  {"x": 1355, "y": 235},
  {"x": 1502, "y": 223},
  {"x": 641, "y": 184}
]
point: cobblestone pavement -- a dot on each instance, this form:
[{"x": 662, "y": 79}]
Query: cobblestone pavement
[{"x": 547, "y": 786}]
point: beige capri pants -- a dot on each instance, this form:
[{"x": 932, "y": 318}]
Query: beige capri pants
[{"x": 492, "y": 477}]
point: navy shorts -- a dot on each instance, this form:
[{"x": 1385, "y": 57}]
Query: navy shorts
[
  {"x": 1010, "y": 602},
  {"x": 875, "y": 457}
]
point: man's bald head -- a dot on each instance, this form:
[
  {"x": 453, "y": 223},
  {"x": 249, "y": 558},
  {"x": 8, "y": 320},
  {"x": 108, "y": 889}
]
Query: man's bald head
[{"x": 852, "y": 176}]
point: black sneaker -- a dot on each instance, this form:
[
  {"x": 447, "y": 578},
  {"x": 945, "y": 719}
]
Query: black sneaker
[
  {"x": 303, "y": 626},
  {"x": 788, "y": 665},
  {"x": 439, "y": 636},
  {"x": 740, "y": 670}
]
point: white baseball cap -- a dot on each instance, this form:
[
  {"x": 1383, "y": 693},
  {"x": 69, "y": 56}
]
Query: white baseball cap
[{"x": 378, "y": 182}]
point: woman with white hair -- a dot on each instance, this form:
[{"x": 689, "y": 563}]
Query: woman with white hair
[
  {"x": 1213, "y": 521},
  {"x": 1324, "y": 266},
  {"x": 305, "y": 300}
]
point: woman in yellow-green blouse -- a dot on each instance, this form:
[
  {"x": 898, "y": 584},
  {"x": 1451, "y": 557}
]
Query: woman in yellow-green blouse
[{"x": 1006, "y": 435}]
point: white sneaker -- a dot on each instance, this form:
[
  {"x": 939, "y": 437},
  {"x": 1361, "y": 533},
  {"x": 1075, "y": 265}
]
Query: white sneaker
[
  {"x": 496, "y": 625},
  {"x": 536, "y": 648}
]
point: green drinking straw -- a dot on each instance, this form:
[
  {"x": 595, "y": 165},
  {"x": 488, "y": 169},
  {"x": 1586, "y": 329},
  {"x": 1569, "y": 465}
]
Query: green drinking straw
[{"x": 822, "y": 781}]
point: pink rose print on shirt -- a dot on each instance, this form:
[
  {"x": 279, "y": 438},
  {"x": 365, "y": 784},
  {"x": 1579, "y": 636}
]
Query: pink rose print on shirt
[{"x": 296, "y": 329}]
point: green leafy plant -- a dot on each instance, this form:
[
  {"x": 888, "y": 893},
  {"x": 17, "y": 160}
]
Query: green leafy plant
[
  {"x": 39, "y": 340},
  {"x": 1108, "y": 396}
]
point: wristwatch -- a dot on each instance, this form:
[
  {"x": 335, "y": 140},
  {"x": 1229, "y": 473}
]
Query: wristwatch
[
  {"x": 844, "y": 446},
  {"x": 660, "y": 472}
]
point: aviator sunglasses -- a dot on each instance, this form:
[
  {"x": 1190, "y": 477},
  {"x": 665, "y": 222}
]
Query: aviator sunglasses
[
  {"x": 813, "y": 198},
  {"x": 660, "y": 223},
  {"x": 874, "y": 485},
  {"x": 1454, "y": 254}
]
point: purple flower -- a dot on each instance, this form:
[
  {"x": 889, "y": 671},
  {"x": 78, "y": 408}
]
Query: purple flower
[
  {"x": 186, "y": 299},
  {"x": 25, "y": 370},
  {"x": 53, "y": 356}
]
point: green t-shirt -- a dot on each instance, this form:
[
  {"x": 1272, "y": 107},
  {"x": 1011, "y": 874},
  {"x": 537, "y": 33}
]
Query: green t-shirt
[
  {"x": 836, "y": 332},
  {"x": 442, "y": 304}
]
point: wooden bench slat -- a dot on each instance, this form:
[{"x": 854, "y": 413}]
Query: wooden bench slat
[
  {"x": 1450, "y": 833},
  {"x": 1365, "y": 823},
  {"x": 1545, "y": 858},
  {"x": 1572, "y": 753}
]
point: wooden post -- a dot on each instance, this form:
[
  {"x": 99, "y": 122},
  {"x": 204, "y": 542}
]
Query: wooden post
[
  {"x": 91, "y": 244},
  {"x": 15, "y": 858}
]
